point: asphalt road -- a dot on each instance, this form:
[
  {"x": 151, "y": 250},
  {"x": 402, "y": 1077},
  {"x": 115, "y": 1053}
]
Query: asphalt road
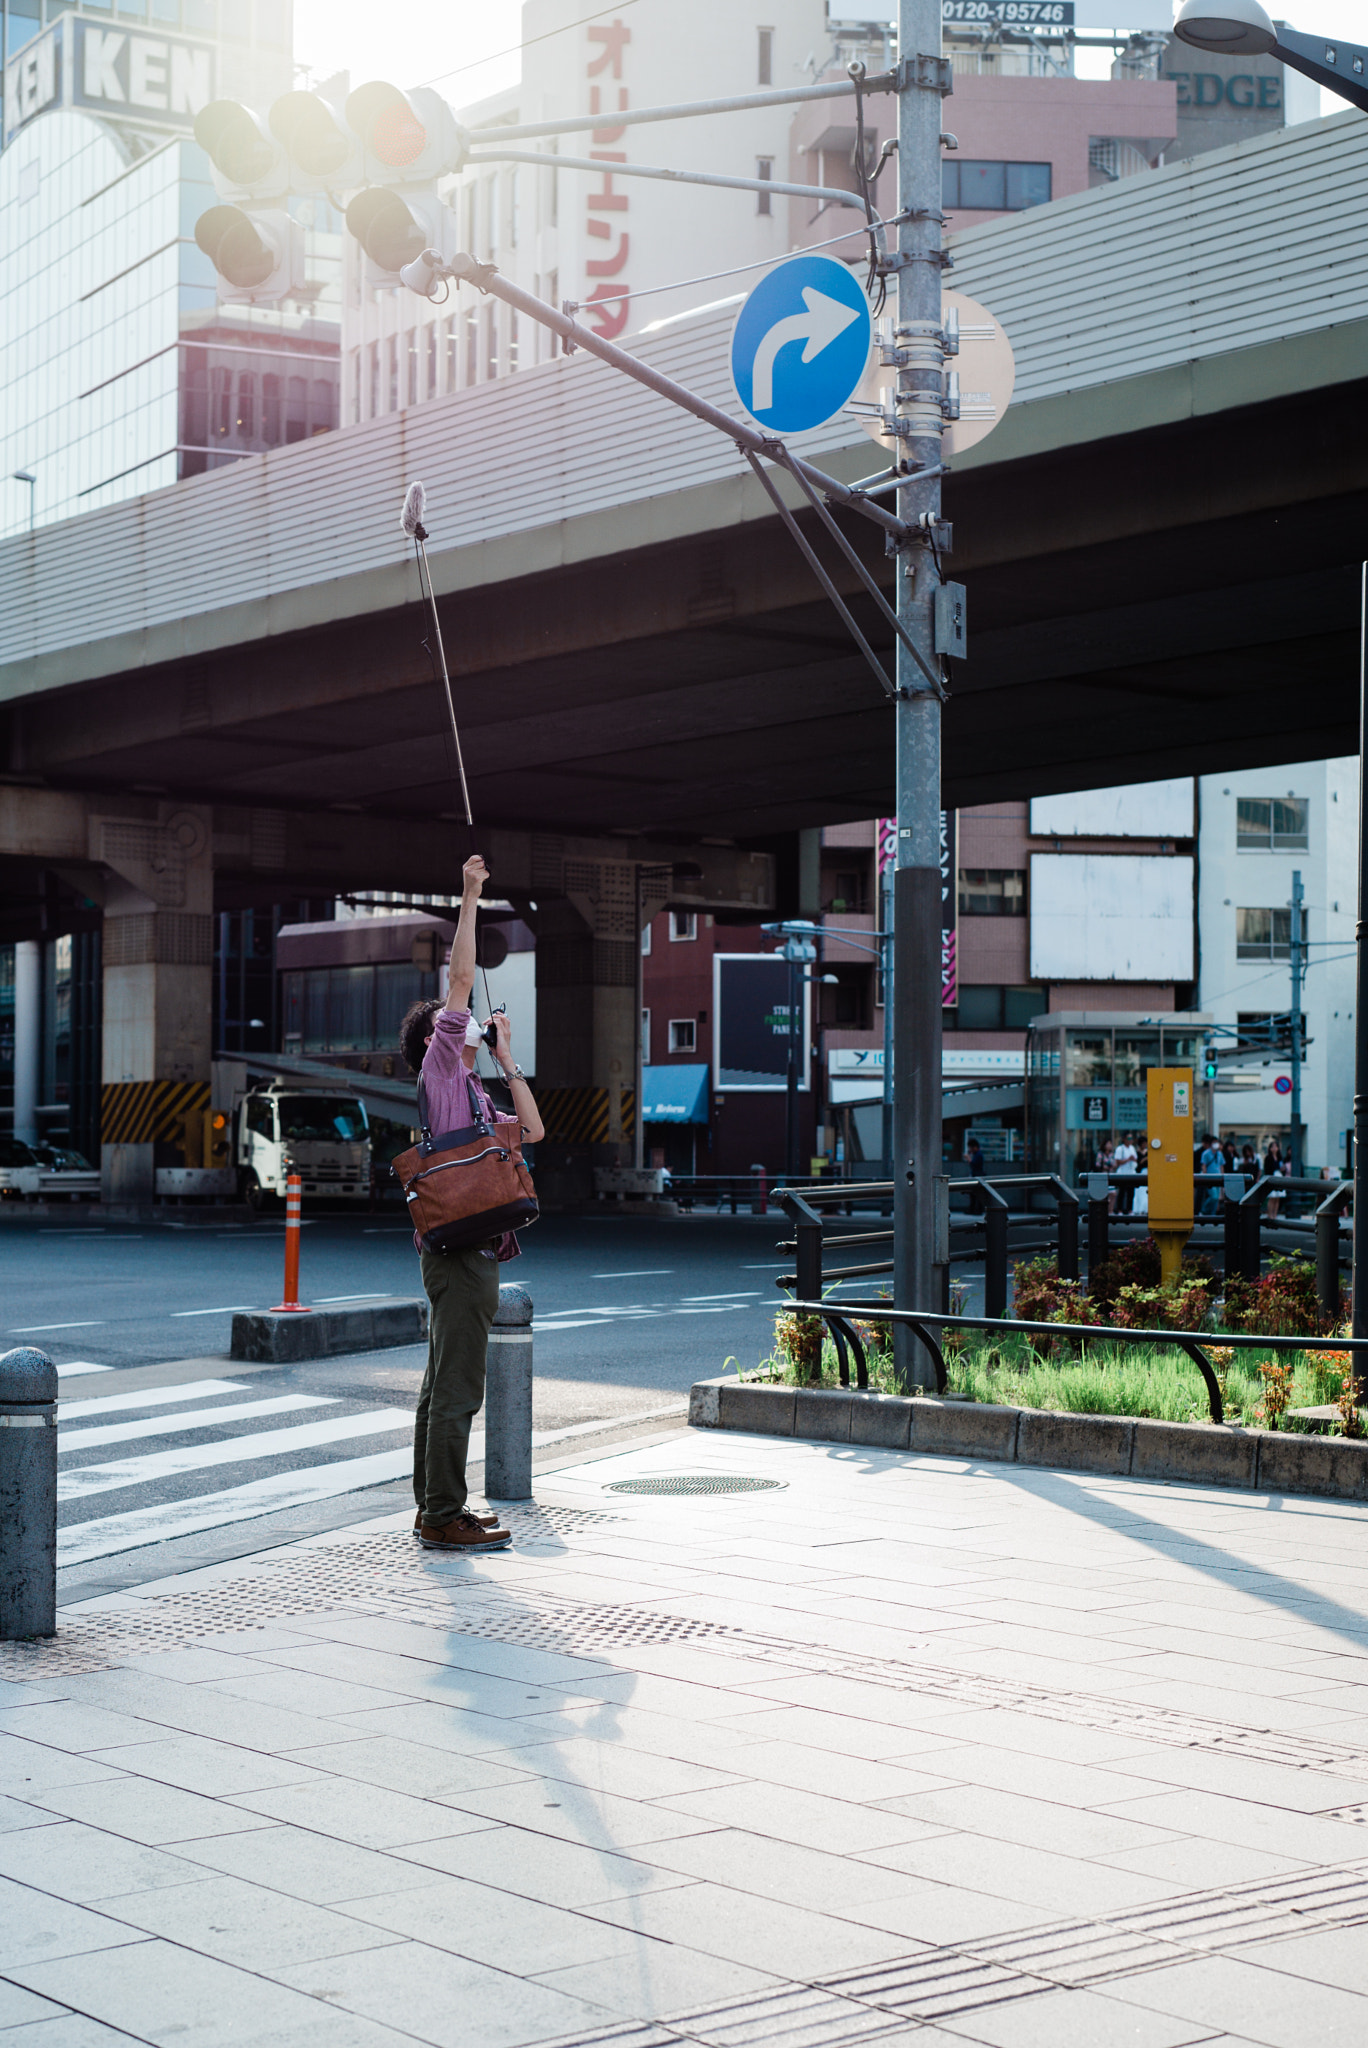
[
  {"x": 626, "y": 1302},
  {"x": 171, "y": 1455}
]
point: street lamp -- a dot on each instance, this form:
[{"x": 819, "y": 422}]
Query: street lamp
[
  {"x": 804, "y": 928},
  {"x": 1241, "y": 28},
  {"x": 26, "y": 476}
]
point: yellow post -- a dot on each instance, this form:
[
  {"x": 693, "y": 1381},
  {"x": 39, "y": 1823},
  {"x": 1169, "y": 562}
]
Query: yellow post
[{"x": 1169, "y": 1163}]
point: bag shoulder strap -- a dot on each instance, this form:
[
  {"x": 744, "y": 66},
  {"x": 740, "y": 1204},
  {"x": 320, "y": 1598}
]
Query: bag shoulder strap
[{"x": 423, "y": 1111}]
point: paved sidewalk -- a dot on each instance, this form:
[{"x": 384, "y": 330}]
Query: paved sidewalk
[{"x": 890, "y": 1750}]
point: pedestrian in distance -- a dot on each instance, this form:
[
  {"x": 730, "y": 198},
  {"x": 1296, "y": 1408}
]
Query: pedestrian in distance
[
  {"x": 1210, "y": 1162},
  {"x": 976, "y": 1162},
  {"x": 440, "y": 1041},
  {"x": 1127, "y": 1166},
  {"x": 1274, "y": 1168}
]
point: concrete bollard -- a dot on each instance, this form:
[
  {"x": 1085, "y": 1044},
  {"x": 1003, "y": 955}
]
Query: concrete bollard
[
  {"x": 28, "y": 1495},
  {"x": 508, "y": 1399}
]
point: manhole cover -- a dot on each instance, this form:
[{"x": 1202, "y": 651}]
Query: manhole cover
[{"x": 694, "y": 1482}]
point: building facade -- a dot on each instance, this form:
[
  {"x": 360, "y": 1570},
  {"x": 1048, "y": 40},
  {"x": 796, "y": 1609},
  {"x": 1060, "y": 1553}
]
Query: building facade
[{"x": 120, "y": 371}]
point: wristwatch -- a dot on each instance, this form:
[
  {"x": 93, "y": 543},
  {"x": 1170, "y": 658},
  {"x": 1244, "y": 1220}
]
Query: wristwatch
[{"x": 514, "y": 1073}]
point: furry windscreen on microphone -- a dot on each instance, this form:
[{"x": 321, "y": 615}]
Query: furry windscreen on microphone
[{"x": 411, "y": 518}]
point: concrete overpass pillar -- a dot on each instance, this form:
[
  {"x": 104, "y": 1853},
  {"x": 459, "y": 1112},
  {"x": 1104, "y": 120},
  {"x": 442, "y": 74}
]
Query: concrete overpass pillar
[
  {"x": 28, "y": 1024},
  {"x": 157, "y": 958},
  {"x": 587, "y": 942}
]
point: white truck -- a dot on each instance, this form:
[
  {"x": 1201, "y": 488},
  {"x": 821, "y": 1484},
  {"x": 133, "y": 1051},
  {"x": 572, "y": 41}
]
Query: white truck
[{"x": 281, "y": 1128}]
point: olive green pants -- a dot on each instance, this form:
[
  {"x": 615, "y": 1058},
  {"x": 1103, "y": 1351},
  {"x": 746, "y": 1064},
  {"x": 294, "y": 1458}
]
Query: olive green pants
[{"x": 463, "y": 1293}]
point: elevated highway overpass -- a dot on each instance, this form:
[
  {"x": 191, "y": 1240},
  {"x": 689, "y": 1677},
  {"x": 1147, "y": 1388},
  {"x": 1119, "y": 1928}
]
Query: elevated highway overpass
[{"x": 1160, "y": 544}]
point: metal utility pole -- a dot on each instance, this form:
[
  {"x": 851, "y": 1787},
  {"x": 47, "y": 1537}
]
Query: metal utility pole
[
  {"x": 1297, "y": 950},
  {"x": 791, "y": 1077},
  {"x": 919, "y": 1274}
]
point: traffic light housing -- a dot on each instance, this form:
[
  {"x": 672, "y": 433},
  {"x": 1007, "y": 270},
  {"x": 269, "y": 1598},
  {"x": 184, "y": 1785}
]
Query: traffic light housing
[
  {"x": 247, "y": 161},
  {"x": 1210, "y": 1066},
  {"x": 394, "y": 228},
  {"x": 259, "y": 256},
  {"x": 406, "y": 137},
  {"x": 324, "y": 155}
]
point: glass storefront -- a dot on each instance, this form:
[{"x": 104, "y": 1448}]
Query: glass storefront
[{"x": 1085, "y": 1083}]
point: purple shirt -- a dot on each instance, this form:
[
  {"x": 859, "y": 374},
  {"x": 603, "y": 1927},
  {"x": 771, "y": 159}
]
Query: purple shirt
[{"x": 447, "y": 1083}]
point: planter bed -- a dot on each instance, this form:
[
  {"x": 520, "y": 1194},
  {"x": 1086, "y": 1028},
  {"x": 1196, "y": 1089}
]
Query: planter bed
[{"x": 1267, "y": 1461}]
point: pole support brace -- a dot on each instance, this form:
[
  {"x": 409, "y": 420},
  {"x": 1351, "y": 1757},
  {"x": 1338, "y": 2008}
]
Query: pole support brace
[{"x": 924, "y": 73}]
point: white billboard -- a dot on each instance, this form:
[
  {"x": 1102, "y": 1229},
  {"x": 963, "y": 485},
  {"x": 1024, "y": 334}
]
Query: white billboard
[
  {"x": 1111, "y": 917},
  {"x": 1135, "y": 810}
]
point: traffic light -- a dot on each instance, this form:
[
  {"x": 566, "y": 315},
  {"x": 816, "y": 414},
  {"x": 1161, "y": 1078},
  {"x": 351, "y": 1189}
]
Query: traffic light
[
  {"x": 259, "y": 256},
  {"x": 393, "y": 230},
  {"x": 1210, "y": 1066},
  {"x": 248, "y": 162},
  {"x": 323, "y": 154},
  {"x": 408, "y": 138}
]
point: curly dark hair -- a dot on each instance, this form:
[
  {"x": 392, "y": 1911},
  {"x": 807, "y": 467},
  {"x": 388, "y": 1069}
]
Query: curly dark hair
[{"x": 415, "y": 1031}]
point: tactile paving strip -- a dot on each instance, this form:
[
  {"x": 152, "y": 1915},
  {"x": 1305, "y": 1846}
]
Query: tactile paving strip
[{"x": 390, "y": 1575}]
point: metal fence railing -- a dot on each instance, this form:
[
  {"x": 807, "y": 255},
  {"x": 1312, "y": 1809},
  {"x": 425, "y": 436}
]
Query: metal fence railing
[
  {"x": 846, "y": 1339},
  {"x": 994, "y": 1232}
]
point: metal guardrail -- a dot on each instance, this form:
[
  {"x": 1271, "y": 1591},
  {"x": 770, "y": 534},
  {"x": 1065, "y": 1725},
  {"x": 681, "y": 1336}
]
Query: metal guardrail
[
  {"x": 1242, "y": 1218},
  {"x": 810, "y": 1242},
  {"x": 926, "y": 1324}
]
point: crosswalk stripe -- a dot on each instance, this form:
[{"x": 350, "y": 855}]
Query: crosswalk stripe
[
  {"x": 196, "y": 1418},
  {"x": 237, "y": 1450},
  {"x": 150, "y": 1397},
  {"x": 108, "y": 1534}
]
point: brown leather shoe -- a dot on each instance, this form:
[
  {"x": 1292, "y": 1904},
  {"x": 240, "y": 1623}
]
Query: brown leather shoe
[
  {"x": 463, "y": 1532},
  {"x": 480, "y": 1515}
]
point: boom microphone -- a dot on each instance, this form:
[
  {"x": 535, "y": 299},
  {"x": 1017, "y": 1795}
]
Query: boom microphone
[
  {"x": 411, "y": 518},
  {"x": 411, "y": 523}
]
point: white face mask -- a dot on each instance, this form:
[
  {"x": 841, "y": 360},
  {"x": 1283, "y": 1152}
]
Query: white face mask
[{"x": 474, "y": 1035}]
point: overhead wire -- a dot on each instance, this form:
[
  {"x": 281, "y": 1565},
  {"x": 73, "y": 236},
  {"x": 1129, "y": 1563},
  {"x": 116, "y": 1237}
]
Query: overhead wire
[{"x": 738, "y": 269}]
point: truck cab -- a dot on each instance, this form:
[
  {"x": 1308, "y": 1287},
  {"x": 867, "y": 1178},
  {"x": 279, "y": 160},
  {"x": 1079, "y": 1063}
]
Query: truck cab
[{"x": 323, "y": 1136}]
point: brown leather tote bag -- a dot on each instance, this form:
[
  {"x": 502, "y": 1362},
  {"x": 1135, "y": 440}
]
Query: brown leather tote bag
[{"x": 465, "y": 1187}]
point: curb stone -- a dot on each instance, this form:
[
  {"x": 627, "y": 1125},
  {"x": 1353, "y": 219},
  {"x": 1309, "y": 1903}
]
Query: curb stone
[
  {"x": 1203, "y": 1454},
  {"x": 262, "y": 1337}
]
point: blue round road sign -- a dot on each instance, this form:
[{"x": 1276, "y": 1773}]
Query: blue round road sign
[
  {"x": 801, "y": 343},
  {"x": 1283, "y": 1085}
]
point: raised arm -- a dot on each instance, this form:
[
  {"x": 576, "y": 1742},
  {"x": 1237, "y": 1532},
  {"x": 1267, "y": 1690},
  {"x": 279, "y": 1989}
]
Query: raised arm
[{"x": 461, "y": 977}]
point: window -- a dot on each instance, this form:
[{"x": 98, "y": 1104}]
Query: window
[
  {"x": 1270, "y": 824},
  {"x": 683, "y": 925},
  {"x": 764, "y": 57},
  {"x": 392, "y": 378},
  {"x": 246, "y": 419},
  {"x": 764, "y": 168},
  {"x": 296, "y": 408},
  {"x": 992, "y": 187},
  {"x": 987, "y": 1006},
  {"x": 260, "y": 1116},
  {"x": 992, "y": 892},
  {"x": 324, "y": 415},
  {"x": 1263, "y": 934},
  {"x": 645, "y": 1038},
  {"x": 374, "y": 380},
  {"x": 683, "y": 1034},
  {"x": 646, "y": 942}
]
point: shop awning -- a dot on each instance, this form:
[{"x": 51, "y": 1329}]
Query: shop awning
[{"x": 674, "y": 1095}]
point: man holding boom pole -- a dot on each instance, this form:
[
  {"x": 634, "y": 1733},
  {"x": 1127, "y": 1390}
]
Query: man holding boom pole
[{"x": 440, "y": 1041}]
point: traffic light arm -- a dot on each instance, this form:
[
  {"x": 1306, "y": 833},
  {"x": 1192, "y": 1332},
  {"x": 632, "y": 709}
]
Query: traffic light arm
[
  {"x": 832, "y": 195},
  {"x": 467, "y": 270},
  {"x": 1347, "y": 74},
  {"x": 575, "y": 124}
]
